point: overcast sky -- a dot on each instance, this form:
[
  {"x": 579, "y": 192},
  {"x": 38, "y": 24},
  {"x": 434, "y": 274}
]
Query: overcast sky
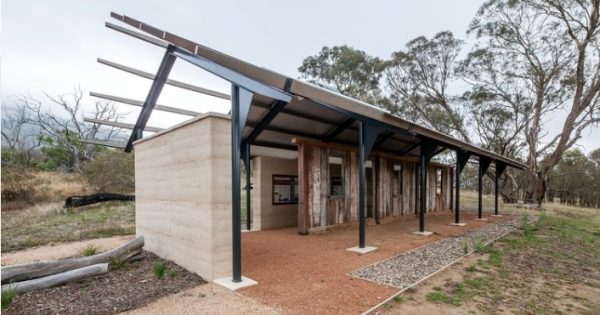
[{"x": 53, "y": 45}]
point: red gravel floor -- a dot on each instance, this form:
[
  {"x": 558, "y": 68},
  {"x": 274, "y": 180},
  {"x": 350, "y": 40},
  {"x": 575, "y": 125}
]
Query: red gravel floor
[{"x": 308, "y": 274}]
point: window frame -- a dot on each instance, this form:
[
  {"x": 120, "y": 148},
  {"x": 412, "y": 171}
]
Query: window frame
[
  {"x": 292, "y": 186},
  {"x": 342, "y": 193}
]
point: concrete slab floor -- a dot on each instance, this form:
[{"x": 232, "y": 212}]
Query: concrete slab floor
[{"x": 308, "y": 274}]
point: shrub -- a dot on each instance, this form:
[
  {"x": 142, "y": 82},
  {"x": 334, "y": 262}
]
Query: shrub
[
  {"x": 89, "y": 250},
  {"x": 159, "y": 269},
  {"x": 110, "y": 171}
]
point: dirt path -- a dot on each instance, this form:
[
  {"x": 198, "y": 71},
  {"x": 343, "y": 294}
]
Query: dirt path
[
  {"x": 205, "y": 299},
  {"x": 62, "y": 250}
]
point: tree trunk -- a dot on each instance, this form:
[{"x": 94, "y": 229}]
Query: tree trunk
[
  {"x": 57, "y": 279},
  {"x": 35, "y": 270}
]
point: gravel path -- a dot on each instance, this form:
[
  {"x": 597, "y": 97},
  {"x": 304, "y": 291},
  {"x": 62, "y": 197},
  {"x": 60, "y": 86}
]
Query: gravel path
[{"x": 404, "y": 270}]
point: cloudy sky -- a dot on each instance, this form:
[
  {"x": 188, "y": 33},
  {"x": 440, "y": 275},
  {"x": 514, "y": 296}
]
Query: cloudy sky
[{"x": 52, "y": 46}]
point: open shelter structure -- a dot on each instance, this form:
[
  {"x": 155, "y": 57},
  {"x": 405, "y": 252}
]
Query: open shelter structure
[{"x": 328, "y": 158}]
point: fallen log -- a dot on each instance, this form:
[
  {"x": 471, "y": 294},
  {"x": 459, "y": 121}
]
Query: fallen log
[
  {"x": 79, "y": 201},
  {"x": 57, "y": 279},
  {"x": 27, "y": 271}
]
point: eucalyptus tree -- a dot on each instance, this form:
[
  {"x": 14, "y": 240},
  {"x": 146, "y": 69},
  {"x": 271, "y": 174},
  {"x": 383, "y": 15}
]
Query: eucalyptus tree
[
  {"x": 352, "y": 72},
  {"x": 540, "y": 58},
  {"x": 418, "y": 80}
]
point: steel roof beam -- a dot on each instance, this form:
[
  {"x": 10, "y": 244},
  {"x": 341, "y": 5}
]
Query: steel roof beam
[
  {"x": 232, "y": 76},
  {"x": 150, "y": 76},
  {"x": 275, "y": 109},
  {"x": 339, "y": 129},
  {"x": 155, "y": 89},
  {"x": 132, "y": 102},
  {"x": 105, "y": 143},
  {"x": 118, "y": 124}
]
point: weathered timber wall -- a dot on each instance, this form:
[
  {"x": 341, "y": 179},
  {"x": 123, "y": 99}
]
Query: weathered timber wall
[{"x": 394, "y": 194}]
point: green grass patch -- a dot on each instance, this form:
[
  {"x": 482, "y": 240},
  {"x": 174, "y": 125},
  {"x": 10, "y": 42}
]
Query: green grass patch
[
  {"x": 7, "y": 297},
  {"x": 159, "y": 269},
  {"x": 30, "y": 228},
  {"x": 480, "y": 247}
]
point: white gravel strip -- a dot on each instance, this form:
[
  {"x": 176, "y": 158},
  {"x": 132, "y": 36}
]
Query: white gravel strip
[{"x": 403, "y": 270}]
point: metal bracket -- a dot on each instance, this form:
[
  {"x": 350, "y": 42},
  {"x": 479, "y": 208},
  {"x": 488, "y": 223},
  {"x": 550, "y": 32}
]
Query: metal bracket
[
  {"x": 484, "y": 164},
  {"x": 462, "y": 159},
  {"x": 370, "y": 134},
  {"x": 500, "y": 167}
]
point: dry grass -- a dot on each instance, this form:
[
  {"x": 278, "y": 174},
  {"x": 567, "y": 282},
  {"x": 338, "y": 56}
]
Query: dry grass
[
  {"x": 49, "y": 187},
  {"x": 549, "y": 267},
  {"x": 50, "y": 223}
]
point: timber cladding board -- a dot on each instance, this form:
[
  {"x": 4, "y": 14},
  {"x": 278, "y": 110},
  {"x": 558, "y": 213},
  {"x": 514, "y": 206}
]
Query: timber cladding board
[
  {"x": 317, "y": 209},
  {"x": 183, "y": 196}
]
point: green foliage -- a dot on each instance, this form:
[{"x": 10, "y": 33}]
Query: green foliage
[
  {"x": 159, "y": 269},
  {"x": 353, "y": 72},
  {"x": 89, "y": 250},
  {"x": 7, "y": 297},
  {"x": 480, "y": 247},
  {"x": 465, "y": 247},
  {"x": 110, "y": 171},
  {"x": 398, "y": 299}
]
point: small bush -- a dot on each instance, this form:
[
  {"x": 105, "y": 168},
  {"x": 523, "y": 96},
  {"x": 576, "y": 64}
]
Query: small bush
[
  {"x": 465, "y": 247},
  {"x": 159, "y": 269},
  {"x": 89, "y": 250},
  {"x": 471, "y": 268},
  {"x": 110, "y": 171},
  {"x": 173, "y": 273},
  {"x": 7, "y": 297},
  {"x": 398, "y": 299}
]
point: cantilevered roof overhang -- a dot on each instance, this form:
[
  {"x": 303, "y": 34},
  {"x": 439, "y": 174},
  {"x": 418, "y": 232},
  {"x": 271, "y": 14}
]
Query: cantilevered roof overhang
[{"x": 311, "y": 112}]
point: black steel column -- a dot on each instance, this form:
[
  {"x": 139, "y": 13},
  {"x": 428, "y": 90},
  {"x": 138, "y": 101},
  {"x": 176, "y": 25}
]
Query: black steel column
[
  {"x": 240, "y": 104},
  {"x": 480, "y": 191},
  {"x": 422, "y": 189},
  {"x": 484, "y": 163},
  {"x": 248, "y": 186},
  {"x": 457, "y": 187},
  {"x": 361, "y": 185},
  {"x": 462, "y": 158},
  {"x": 235, "y": 185},
  {"x": 427, "y": 152},
  {"x": 499, "y": 170}
]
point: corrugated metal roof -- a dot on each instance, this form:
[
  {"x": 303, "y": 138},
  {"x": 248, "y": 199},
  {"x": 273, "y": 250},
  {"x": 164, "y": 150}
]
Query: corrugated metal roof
[{"x": 324, "y": 106}]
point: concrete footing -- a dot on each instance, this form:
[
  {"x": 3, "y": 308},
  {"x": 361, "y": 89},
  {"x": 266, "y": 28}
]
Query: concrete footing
[
  {"x": 359, "y": 250},
  {"x": 425, "y": 233},
  {"x": 458, "y": 224},
  {"x": 228, "y": 283},
  {"x": 496, "y": 215},
  {"x": 482, "y": 219}
]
